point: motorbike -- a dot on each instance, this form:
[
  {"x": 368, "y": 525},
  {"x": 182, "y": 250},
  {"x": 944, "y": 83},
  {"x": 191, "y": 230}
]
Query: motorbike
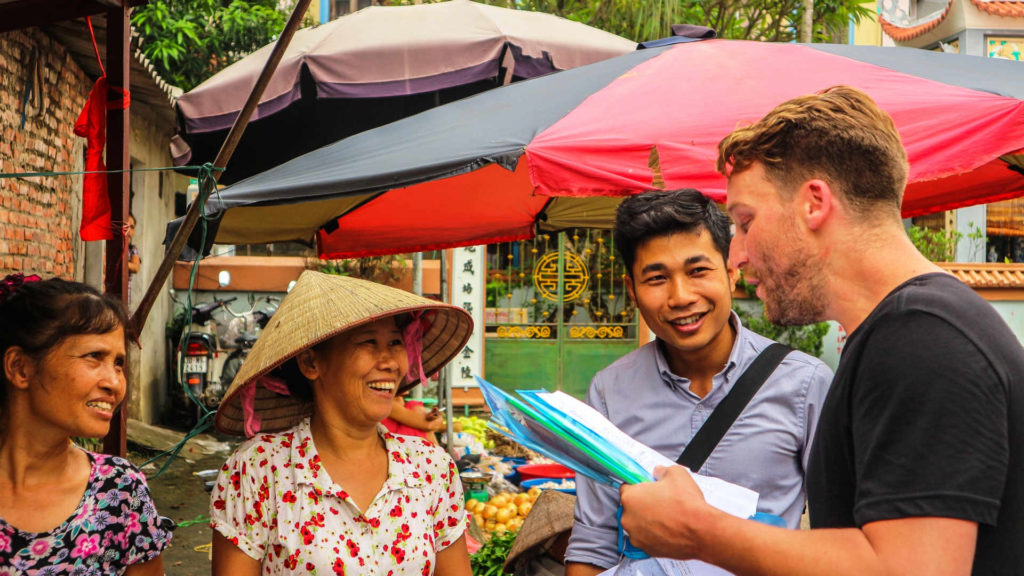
[
  {"x": 243, "y": 331},
  {"x": 199, "y": 359}
]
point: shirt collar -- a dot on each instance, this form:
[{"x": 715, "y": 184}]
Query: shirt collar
[
  {"x": 674, "y": 381},
  {"x": 305, "y": 460}
]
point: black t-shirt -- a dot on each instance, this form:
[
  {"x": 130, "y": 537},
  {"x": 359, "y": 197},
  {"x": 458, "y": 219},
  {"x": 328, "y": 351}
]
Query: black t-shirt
[{"x": 925, "y": 417}]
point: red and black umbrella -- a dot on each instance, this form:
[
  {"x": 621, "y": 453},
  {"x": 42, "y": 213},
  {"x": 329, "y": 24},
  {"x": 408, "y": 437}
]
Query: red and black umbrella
[{"x": 558, "y": 152}]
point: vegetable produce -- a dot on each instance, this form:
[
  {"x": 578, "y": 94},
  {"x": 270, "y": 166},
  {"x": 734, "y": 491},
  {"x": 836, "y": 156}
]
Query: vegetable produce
[
  {"x": 504, "y": 512},
  {"x": 490, "y": 558},
  {"x": 476, "y": 427}
]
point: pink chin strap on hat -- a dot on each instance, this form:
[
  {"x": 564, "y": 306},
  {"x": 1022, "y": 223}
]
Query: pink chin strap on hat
[
  {"x": 247, "y": 396},
  {"x": 412, "y": 337}
]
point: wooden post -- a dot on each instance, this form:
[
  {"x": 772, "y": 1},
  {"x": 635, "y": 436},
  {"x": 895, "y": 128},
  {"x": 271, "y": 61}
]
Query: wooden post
[
  {"x": 223, "y": 156},
  {"x": 118, "y": 186}
]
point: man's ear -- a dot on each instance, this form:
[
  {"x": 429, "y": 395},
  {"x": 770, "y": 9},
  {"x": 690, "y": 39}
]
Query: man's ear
[
  {"x": 817, "y": 202},
  {"x": 307, "y": 364},
  {"x": 734, "y": 277},
  {"x": 630, "y": 288},
  {"x": 19, "y": 367}
]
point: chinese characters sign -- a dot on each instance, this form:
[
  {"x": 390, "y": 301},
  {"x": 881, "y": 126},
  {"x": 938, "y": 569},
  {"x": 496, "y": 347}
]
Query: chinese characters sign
[{"x": 468, "y": 293}]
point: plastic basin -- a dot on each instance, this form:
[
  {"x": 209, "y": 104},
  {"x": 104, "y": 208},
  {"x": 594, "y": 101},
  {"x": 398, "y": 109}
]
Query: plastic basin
[
  {"x": 531, "y": 471},
  {"x": 527, "y": 484}
]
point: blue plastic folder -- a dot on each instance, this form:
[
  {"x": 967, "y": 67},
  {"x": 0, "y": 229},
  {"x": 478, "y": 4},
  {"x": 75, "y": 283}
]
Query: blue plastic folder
[{"x": 534, "y": 423}]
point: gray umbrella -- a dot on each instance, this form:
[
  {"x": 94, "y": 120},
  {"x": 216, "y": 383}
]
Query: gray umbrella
[{"x": 375, "y": 66}]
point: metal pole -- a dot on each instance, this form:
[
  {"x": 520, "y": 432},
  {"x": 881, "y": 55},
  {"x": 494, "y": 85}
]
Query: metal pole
[
  {"x": 444, "y": 385},
  {"x": 417, "y": 273},
  {"x": 233, "y": 137},
  {"x": 561, "y": 307},
  {"x": 417, "y": 289}
]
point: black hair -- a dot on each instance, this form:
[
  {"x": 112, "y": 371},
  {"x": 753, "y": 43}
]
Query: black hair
[
  {"x": 298, "y": 385},
  {"x": 36, "y": 316},
  {"x": 660, "y": 213}
]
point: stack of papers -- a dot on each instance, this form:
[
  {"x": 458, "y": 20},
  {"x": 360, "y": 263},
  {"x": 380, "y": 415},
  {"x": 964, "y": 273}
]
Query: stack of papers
[{"x": 575, "y": 435}]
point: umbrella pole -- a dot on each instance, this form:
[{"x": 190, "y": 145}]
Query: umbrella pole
[
  {"x": 223, "y": 156},
  {"x": 445, "y": 384}
]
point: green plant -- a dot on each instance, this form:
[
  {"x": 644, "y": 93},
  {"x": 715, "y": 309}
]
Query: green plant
[
  {"x": 940, "y": 245},
  {"x": 935, "y": 245},
  {"x": 383, "y": 269},
  {"x": 773, "y": 20},
  {"x": 190, "y": 41},
  {"x": 490, "y": 558},
  {"x": 809, "y": 339}
]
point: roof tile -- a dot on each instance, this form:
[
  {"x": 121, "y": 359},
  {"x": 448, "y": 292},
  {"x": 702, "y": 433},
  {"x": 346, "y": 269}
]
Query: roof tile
[
  {"x": 903, "y": 33},
  {"x": 987, "y": 275},
  {"x": 1008, "y": 8}
]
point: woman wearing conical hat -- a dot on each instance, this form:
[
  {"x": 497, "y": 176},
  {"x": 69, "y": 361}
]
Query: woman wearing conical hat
[{"x": 321, "y": 486}]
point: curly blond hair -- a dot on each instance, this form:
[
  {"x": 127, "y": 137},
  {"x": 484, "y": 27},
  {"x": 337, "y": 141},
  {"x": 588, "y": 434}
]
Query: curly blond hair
[{"x": 839, "y": 135}]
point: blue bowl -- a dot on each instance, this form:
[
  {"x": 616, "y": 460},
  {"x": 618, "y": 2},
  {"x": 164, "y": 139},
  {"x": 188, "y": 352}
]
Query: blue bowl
[
  {"x": 527, "y": 484},
  {"x": 513, "y": 476}
]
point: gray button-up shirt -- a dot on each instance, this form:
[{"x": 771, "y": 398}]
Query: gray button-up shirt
[{"x": 766, "y": 449}]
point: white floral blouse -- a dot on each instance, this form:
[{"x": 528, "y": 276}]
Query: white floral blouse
[{"x": 277, "y": 504}]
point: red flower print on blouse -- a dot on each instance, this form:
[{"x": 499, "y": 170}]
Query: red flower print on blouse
[
  {"x": 396, "y": 511},
  {"x": 353, "y": 548},
  {"x": 307, "y": 536},
  {"x": 292, "y": 561},
  {"x": 398, "y": 553},
  {"x": 288, "y": 497},
  {"x": 339, "y": 567}
]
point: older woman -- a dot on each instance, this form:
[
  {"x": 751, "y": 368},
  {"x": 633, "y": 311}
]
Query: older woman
[
  {"x": 64, "y": 510},
  {"x": 321, "y": 485}
]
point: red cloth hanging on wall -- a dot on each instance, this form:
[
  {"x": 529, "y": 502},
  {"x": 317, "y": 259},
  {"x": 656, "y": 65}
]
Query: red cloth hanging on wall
[{"x": 92, "y": 124}]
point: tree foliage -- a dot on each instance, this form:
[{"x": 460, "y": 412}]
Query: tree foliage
[
  {"x": 772, "y": 20},
  {"x": 189, "y": 41}
]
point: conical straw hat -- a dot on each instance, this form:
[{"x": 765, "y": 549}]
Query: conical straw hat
[
  {"x": 319, "y": 307},
  {"x": 551, "y": 515}
]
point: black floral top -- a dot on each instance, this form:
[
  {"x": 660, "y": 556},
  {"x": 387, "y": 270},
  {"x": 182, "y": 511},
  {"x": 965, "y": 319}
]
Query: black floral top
[{"x": 115, "y": 525}]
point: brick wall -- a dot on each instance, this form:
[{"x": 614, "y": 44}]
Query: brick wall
[{"x": 38, "y": 216}]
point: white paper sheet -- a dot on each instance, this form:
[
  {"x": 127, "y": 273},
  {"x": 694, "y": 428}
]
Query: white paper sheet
[
  {"x": 725, "y": 496},
  {"x": 664, "y": 567}
]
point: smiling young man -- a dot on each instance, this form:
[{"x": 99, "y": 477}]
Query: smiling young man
[
  {"x": 676, "y": 248},
  {"x": 918, "y": 463}
]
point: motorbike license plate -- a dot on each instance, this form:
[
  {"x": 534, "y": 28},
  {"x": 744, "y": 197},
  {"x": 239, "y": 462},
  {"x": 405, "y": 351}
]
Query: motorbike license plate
[{"x": 195, "y": 364}]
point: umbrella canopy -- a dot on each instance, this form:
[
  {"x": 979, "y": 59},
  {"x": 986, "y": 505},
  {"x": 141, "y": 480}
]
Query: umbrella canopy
[
  {"x": 375, "y": 66},
  {"x": 554, "y": 152}
]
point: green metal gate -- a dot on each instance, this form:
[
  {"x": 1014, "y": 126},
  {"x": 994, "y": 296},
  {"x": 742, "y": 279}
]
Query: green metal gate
[{"x": 557, "y": 311}]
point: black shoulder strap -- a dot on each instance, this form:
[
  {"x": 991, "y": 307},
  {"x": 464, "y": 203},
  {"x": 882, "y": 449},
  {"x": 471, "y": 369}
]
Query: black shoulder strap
[{"x": 711, "y": 432}]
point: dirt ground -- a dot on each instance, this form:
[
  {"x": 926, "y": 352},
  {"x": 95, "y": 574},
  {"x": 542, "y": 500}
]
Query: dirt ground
[{"x": 179, "y": 494}]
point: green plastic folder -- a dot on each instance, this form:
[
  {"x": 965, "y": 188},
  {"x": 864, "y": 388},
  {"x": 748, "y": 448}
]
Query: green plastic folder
[{"x": 562, "y": 438}]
